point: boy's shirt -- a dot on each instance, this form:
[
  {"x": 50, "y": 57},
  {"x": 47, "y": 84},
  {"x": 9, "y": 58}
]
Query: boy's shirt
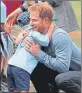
[{"x": 22, "y": 58}]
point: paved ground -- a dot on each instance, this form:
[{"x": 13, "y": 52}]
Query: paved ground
[{"x": 4, "y": 86}]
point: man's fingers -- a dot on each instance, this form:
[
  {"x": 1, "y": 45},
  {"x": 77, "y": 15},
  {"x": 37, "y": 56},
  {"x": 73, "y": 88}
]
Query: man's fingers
[
  {"x": 30, "y": 42},
  {"x": 8, "y": 27},
  {"x": 27, "y": 43},
  {"x": 36, "y": 42},
  {"x": 27, "y": 47},
  {"x": 7, "y": 19},
  {"x": 31, "y": 47}
]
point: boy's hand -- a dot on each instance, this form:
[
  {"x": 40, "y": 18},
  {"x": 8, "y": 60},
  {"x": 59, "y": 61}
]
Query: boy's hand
[
  {"x": 52, "y": 25},
  {"x": 21, "y": 36}
]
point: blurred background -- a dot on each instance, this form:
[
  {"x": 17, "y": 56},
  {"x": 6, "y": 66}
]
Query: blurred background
[{"x": 76, "y": 36}]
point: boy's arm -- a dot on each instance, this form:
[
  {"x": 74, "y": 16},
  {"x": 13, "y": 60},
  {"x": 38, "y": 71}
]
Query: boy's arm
[
  {"x": 21, "y": 37},
  {"x": 43, "y": 40},
  {"x": 50, "y": 30}
]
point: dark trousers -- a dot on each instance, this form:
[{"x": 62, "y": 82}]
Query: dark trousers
[
  {"x": 43, "y": 79},
  {"x": 70, "y": 81}
]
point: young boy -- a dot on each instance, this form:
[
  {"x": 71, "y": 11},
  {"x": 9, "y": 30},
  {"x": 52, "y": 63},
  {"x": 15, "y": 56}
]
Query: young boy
[{"x": 22, "y": 63}]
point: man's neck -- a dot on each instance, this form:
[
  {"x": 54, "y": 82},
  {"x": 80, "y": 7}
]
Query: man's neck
[{"x": 46, "y": 29}]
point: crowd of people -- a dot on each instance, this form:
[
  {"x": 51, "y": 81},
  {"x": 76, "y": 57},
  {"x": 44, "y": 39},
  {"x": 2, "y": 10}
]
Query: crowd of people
[{"x": 45, "y": 53}]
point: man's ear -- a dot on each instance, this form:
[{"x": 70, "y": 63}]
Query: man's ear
[{"x": 46, "y": 19}]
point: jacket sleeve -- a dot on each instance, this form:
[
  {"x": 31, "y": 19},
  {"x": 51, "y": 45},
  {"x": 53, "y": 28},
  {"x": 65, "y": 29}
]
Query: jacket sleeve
[
  {"x": 63, "y": 52},
  {"x": 43, "y": 40}
]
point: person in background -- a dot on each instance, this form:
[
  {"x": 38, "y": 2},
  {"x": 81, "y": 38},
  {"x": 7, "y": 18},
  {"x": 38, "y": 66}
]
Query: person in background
[
  {"x": 64, "y": 17},
  {"x": 11, "y": 19},
  {"x": 12, "y": 5},
  {"x": 3, "y": 60},
  {"x": 4, "y": 44}
]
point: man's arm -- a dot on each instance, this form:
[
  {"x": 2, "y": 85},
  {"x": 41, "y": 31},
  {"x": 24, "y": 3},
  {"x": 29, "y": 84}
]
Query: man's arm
[
  {"x": 63, "y": 50},
  {"x": 54, "y": 3}
]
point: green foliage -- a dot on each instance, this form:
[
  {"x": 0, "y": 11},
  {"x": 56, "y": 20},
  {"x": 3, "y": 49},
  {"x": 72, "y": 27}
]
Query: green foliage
[{"x": 77, "y": 8}]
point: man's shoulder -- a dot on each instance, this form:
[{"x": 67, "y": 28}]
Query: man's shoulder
[
  {"x": 59, "y": 35},
  {"x": 58, "y": 30}
]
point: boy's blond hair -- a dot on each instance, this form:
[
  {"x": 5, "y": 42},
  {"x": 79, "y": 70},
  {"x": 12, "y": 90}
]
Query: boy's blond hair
[{"x": 44, "y": 9}]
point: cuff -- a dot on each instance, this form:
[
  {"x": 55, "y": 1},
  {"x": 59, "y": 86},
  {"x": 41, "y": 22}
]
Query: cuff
[
  {"x": 41, "y": 55},
  {"x": 25, "y": 5},
  {"x": 22, "y": 8}
]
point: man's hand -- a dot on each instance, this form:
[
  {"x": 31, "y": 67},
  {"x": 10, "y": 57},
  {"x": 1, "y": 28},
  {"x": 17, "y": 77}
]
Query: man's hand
[
  {"x": 9, "y": 22},
  {"x": 8, "y": 28},
  {"x": 11, "y": 19},
  {"x": 32, "y": 47}
]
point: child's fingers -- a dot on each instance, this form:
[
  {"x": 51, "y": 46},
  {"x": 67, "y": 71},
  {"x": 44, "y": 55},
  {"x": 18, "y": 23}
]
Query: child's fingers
[{"x": 25, "y": 33}]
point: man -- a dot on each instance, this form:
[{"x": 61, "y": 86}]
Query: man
[{"x": 60, "y": 55}]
